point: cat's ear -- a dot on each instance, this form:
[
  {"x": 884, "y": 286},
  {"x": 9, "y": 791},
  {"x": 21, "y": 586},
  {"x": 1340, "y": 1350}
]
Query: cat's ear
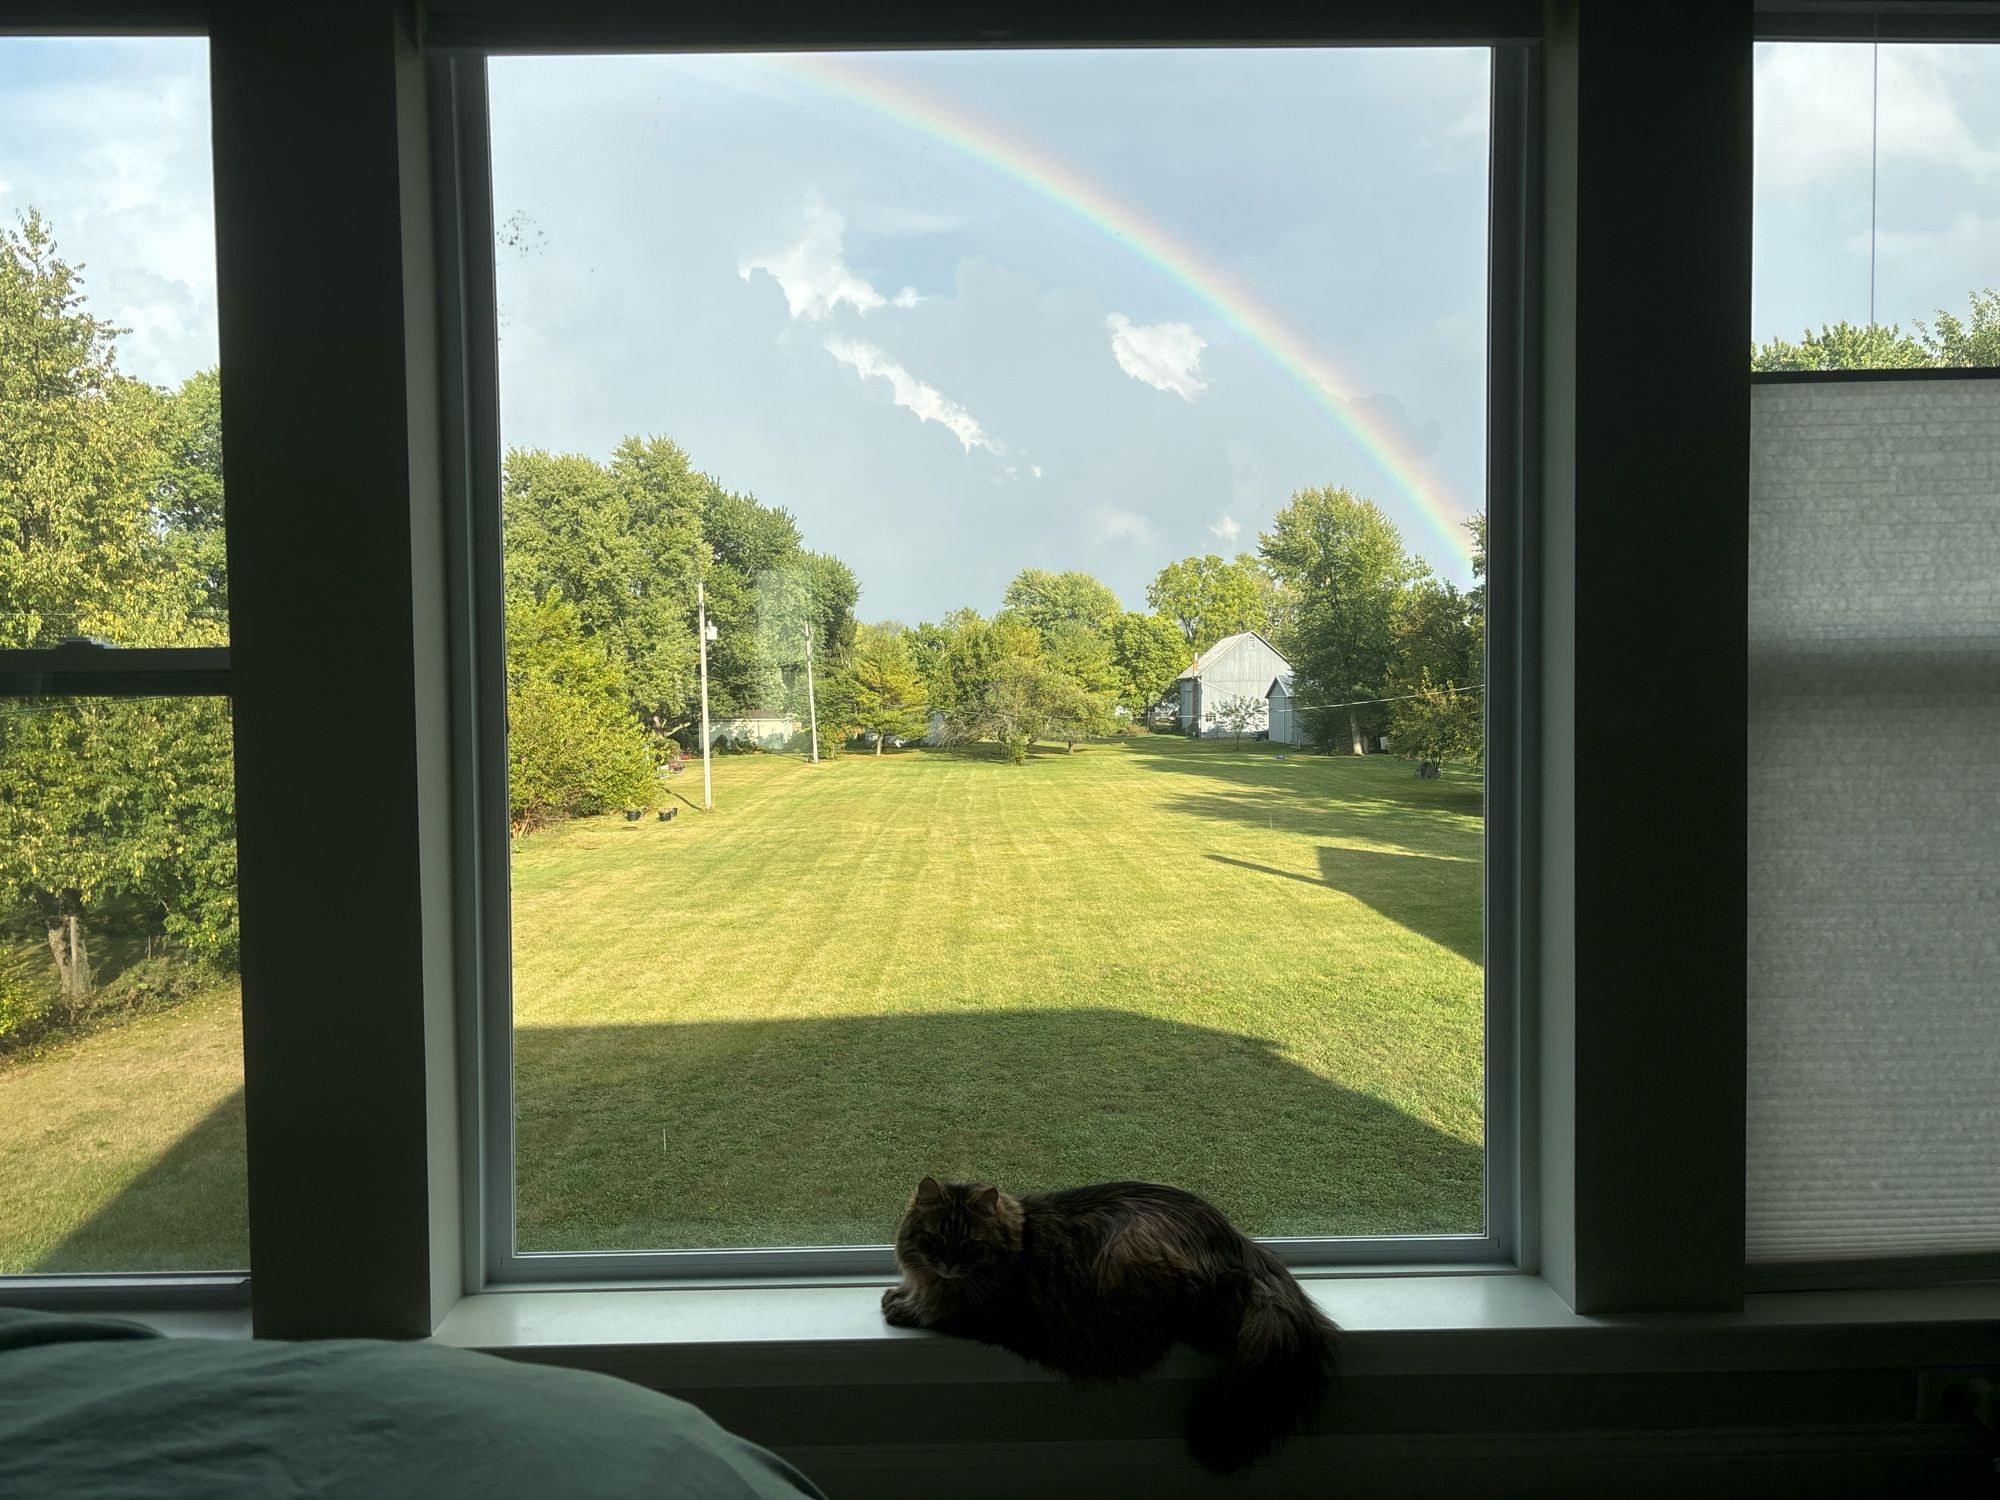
[
  {"x": 985, "y": 1200},
  {"x": 928, "y": 1191}
]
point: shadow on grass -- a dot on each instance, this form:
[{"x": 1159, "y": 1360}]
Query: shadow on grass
[
  {"x": 185, "y": 1212},
  {"x": 1437, "y": 898},
  {"x": 812, "y": 1131}
]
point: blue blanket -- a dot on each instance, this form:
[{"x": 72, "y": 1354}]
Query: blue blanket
[{"x": 99, "y": 1409}]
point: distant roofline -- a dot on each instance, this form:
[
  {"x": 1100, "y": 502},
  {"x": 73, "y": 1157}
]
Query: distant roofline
[{"x": 1223, "y": 647}]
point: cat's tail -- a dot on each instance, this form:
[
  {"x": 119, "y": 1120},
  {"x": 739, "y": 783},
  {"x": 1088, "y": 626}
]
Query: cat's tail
[{"x": 1283, "y": 1365}]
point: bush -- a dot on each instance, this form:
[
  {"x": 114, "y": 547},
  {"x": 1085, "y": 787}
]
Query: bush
[
  {"x": 1017, "y": 749},
  {"x": 22, "y": 1007}
]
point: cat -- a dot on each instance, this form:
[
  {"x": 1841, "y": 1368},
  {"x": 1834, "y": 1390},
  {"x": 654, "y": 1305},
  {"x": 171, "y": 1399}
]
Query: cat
[{"x": 1098, "y": 1283}]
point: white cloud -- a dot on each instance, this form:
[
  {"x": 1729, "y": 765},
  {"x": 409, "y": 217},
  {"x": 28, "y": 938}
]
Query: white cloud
[
  {"x": 1110, "y": 524},
  {"x": 1164, "y": 355},
  {"x": 812, "y": 274},
  {"x": 1036, "y": 470},
  {"x": 1815, "y": 113},
  {"x": 930, "y": 404},
  {"x": 1225, "y": 530},
  {"x": 907, "y": 297}
]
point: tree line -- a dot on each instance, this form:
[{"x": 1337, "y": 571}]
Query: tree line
[{"x": 117, "y": 817}]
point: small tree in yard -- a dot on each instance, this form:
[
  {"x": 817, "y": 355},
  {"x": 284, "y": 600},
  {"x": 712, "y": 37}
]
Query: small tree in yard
[
  {"x": 1239, "y": 715},
  {"x": 889, "y": 696},
  {"x": 573, "y": 746},
  {"x": 1438, "y": 724}
]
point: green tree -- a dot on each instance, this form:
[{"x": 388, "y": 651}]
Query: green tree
[
  {"x": 889, "y": 696},
  {"x": 79, "y": 452},
  {"x": 1209, "y": 598},
  {"x": 1949, "y": 341},
  {"x": 1437, "y": 723},
  {"x": 1149, "y": 651},
  {"x": 1046, "y": 600},
  {"x": 187, "y": 498},
  {"x": 1346, "y": 560},
  {"x": 1240, "y": 714},
  {"x": 1080, "y": 683},
  {"x": 621, "y": 548},
  {"x": 573, "y": 746}
]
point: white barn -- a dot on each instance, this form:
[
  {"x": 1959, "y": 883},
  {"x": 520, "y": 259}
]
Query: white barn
[
  {"x": 1288, "y": 726},
  {"x": 1237, "y": 666}
]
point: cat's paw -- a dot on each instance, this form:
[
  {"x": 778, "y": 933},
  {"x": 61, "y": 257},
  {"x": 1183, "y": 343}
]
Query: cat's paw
[{"x": 897, "y": 1310}]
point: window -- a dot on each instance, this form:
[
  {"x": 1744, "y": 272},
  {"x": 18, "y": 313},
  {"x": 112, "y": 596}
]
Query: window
[
  {"x": 1062, "y": 525},
  {"x": 121, "y": 1134},
  {"x": 1876, "y": 244},
  {"x": 1874, "y": 622}
]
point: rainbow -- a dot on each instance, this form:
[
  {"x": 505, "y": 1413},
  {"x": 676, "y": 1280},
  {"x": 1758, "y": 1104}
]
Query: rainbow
[{"x": 1049, "y": 178}]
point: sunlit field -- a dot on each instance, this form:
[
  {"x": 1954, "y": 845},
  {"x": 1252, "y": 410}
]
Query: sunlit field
[{"x": 1253, "y": 973}]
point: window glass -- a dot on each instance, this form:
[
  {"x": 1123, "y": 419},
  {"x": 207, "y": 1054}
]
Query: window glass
[
  {"x": 121, "y": 1145},
  {"x": 1053, "y": 480},
  {"x": 1877, "y": 220},
  {"x": 110, "y": 426},
  {"x": 121, "y": 1055}
]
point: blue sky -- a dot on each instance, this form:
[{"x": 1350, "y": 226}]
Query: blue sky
[{"x": 947, "y": 376}]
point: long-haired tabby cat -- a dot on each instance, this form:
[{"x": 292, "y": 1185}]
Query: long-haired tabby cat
[{"x": 1097, "y": 1283}]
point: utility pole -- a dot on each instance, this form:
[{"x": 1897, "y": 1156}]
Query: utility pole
[
  {"x": 812, "y": 703},
  {"x": 707, "y": 634}
]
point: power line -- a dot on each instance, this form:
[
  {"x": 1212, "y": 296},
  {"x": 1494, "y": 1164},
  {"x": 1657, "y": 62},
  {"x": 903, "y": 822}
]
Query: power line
[{"x": 1399, "y": 698}]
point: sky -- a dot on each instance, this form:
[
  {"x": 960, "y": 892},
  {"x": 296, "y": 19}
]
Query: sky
[{"x": 963, "y": 314}]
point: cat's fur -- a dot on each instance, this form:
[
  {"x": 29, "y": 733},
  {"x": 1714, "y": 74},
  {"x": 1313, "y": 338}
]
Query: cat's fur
[{"x": 1099, "y": 1282}]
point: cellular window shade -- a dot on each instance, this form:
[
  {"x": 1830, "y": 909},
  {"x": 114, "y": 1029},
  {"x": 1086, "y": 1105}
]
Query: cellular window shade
[{"x": 1874, "y": 792}]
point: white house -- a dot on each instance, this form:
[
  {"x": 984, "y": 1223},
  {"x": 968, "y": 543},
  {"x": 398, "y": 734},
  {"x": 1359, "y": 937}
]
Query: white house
[
  {"x": 769, "y": 728},
  {"x": 1235, "y": 667},
  {"x": 1288, "y": 725}
]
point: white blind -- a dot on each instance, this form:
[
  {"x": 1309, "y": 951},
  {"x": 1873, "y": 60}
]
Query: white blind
[{"x": 1874, "y": 787}]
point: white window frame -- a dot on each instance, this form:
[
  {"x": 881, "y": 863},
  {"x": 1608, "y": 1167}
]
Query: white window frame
[{"x": 462, "y": 175}]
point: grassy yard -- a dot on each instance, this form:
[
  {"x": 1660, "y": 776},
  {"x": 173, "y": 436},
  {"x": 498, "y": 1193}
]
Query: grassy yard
[{"x": 1257, "y": 977}]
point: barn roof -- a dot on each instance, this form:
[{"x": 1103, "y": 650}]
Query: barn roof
[{"x": 1222, "y": 648}]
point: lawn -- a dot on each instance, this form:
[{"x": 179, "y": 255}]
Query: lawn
[{"x": 1252, "y": 975}]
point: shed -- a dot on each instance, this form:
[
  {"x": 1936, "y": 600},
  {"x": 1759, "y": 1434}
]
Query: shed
[
  {"x": 1238, "y": 666},
  {"x": 1287, "y": 724}
]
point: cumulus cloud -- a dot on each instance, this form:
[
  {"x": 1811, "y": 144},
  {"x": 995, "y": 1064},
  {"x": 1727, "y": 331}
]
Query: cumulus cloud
[
  {"x": 1815, "y": 113},
  {"x": 1225, "y": 530},
  {"x": 1036, "y": 470},
  {"x": 812, "y": 273},
  {"x": 929, "y": 403},
  {"x": 1164, "y": 355},
  {"x": 907, "y": 297},
  {"x": 1110, "y": 524}
]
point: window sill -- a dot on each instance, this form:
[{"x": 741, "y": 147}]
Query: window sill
[{"x": 698, "y": 1337}]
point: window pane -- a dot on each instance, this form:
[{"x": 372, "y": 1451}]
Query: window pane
[
  {"x": 110, "y": 427},
  {"x": 121, "y": 1062},
  {"x": 1088, "y": 444},
  {"x": 1877, "y": 231}
]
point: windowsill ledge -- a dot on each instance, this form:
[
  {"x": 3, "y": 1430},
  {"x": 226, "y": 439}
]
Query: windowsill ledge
[{"x": 690, "y": 1338}]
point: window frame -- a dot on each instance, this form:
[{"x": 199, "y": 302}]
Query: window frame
[
  {"x": 77, "y": 670},
  {"x": 462, "y": 189}
]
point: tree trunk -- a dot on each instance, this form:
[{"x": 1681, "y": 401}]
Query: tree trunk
[
  {"x": 879, "y": 737},
  {"x": 1354, "y": 735},
  {"x": 71, "y": 953}
]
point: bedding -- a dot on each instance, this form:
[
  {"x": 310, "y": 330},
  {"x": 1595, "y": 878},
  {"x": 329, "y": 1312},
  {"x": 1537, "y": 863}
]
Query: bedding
[{"x": 102, "y": 1409}]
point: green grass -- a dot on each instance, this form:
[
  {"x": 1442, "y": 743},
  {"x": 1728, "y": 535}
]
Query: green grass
[{"x": 1254, "y": 976}]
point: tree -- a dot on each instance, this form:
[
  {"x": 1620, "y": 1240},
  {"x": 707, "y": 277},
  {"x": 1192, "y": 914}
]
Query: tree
[
  {"x": 1047, "y": 600},
  {"x": 621, "y": 548},
  {"x": 1208, "y": 598},
  {"x": 79, "y": 451},
  {"x": 1080, "y": 684},
  {"x": 1436, "y": 724},
  {"x": 1948, "y": 342},
  {"x": 1239, "y": 714},
  {"x": 573, "y": 746},
  {"x": 889, "y": 696},
  {"x": 108, "y": 501},
  {"x": 1149, "y": 652},
  {"x": 1004, "y": 682},
  {"x": 1346, "y": 560}
]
